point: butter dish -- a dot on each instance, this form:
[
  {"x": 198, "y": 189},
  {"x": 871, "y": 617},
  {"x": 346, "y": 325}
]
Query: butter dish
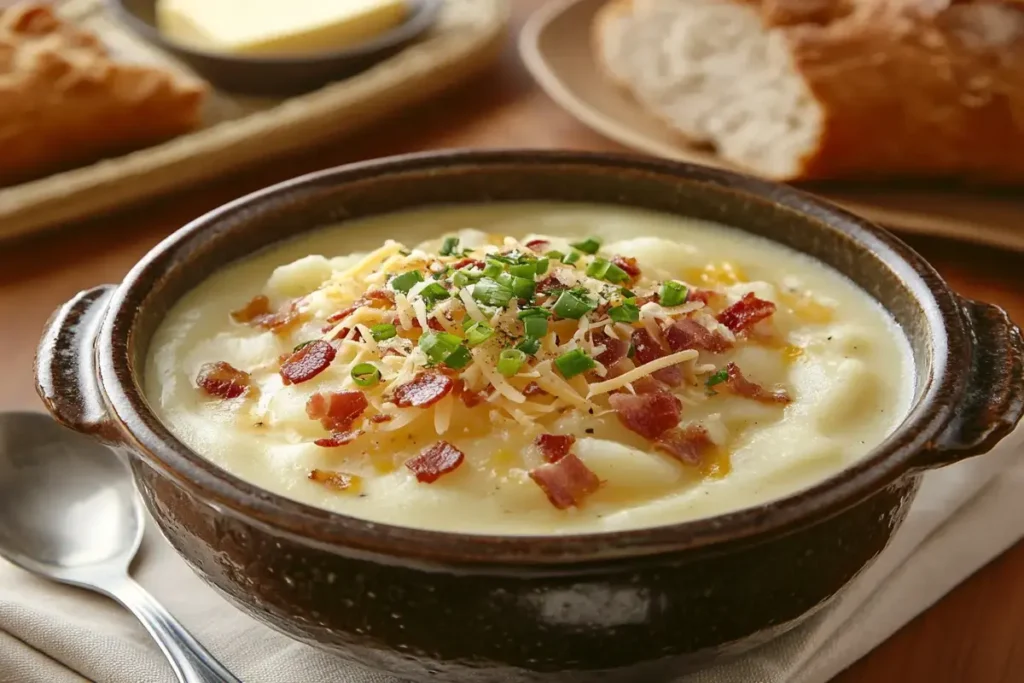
[{"x": 254, "y": 71}]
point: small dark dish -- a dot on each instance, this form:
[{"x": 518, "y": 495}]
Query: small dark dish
[
  {"x": 630, "y": 606},
  {"x": 280, "y": 75}
]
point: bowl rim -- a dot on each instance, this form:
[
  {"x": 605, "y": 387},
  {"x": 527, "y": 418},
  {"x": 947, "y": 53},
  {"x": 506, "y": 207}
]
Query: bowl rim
[
  {"x": 422, "y": 16},
  {"x": 948, "y": 347}
]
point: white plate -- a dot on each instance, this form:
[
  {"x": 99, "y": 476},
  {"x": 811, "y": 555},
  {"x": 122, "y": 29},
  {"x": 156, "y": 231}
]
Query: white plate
[{"x": 556, "y": 48}]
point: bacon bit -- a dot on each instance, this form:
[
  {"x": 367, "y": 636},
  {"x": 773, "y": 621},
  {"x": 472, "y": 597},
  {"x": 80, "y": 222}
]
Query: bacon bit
[
  {"x": 566, "y": 482},
  {"x": 741, "y": 386},
  {"x": 257, "y": 306},
  {"x": 545, "y": 285},
  {"x": 648, "y": 298},
  {"x": 649, "y": 415},
  {"x": 424, "y": 390},
  {"x": 222, "y": 380},
  {"x": 462, "y": 263},
  {"x": 686, "y": 445},
  {"x": 554, "y": 447},
  {"x": 336, "y": 480},
  {"x": 614, "y": 349},
  {"x": 431, "y": 463},
  {"x": 628, "y": 264},
  {"x": 687, "y": 333},
  {"x": 432, "y": 323},
  {"x": 537, "y": 245},
  {"x": 533, "y": 389},
  {"x": 339, "y": 438},
  {"x": 646, "y": 349},
  {"x": 649, "y": 385},
  {"x": 746, "y": 312},
  {"x": 336, "y": 410},
  {"x": 381, "y": 417},
  {"x": 343, "y": 332},
  {"x": 702, "y": 295},
  {"x": 257, "y": 313},
  {"x": 307, "y": 362},
  {"x": 374, "y": 298}
]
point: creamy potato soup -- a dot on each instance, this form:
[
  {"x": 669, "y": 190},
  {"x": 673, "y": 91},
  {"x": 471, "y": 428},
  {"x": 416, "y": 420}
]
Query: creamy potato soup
[{"x": 530, "y": 369}]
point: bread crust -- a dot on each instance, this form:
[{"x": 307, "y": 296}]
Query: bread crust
[{"x": 64, "y": 102}]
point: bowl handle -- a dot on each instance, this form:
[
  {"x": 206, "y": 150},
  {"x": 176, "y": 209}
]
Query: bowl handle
[
  {"x": 66, "y": 372},
  {"x": 993, "y": 402}
]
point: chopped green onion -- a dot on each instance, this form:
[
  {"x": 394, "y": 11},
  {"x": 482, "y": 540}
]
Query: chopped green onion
[
  {"x": 529, "y": 346},
  {"x": 672, "y": 293},
  {"x": 510, "y": 360},
  {"x": 478, "y": 333},
  {"x": 626, "y": 313},
  {"x": 404, "y": 282},
  {"x": 461, "y": 278},
  {"x": 542, "y": 265},
  {"x": 449, "y": 246},
  {"x": 555, "y": 255},
  {"x": 438, "y": 345},
  {"x": 383, "y": 331},
  {"x": 717, "y": 378},
  {"x": 573, "y": 363},
  {"x": 303, "y": 345},
  {"x": 365, "y": 374},
  {"x": 459, "y": 358},
  {"x": 588, "y": 246},
  {"x": 493, "y": 268},
  {"x": 572, "y": 258},
  {"x": 615, "y": 275},
  {"x": 467, "y": 323},
  {"x": 627, "y": 293},
  {"x": 492, "y": 293},
  {"x": 523, "y": 288},
  {"x": 534, "y": 312},
  {"x": 631, "y": 351},
  {"x": 434, "y": 293},
  {"x": 527, "y": 270},
  {"x": 536, "y": 326},
  {"x": 572, "y": 306}
]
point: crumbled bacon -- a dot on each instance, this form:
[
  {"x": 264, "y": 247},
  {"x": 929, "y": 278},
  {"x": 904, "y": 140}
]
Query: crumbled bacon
[
  {"x": 742, "y": 386},
  {"x": 566, "y": 482},
  {"x": 462, "y": 263},
  {"x": 646, "y": 349},
  {"x": 547, "y": 284},
  {"x": 746, "y": 312},
  {"x": 648, "y": 385},
  {"x": 381, "y": 417},
  {"x": 222, "y": 380},
  {"x": 533, "y": 389},
  {"x": 339, "y": 438},
  {"x": 257, "y": 312},
  {"x": 336, "y": 480},
  {"x": 431, "y": 463},
  {"x": 423, "y": 390},
  {"x": 649, "y": 415},
  {"x": 537, "y": 245},
  {"x": 554, "y": 447},
  {"x": 614, "y": 349},
  {"x": 374, "y": 298},
  {"x": 257, "y": 306},
  {"x": 687, "y": 333},
  {"x": 308, "y": 362},
  {"x": 336, "y": 410},
  {"x": 432, "y": 323},
  {"x": 648, "y": 298},
  {"x": 628, "y": 264},
  {"x": 687, "y": 445},
  {"x": 702, "y": 295}
]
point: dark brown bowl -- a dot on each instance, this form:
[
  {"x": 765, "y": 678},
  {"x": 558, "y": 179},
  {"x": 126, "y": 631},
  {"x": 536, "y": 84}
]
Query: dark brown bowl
[
  {"x": 279, "y": 75},
  {"x": 630, "y": 606}
]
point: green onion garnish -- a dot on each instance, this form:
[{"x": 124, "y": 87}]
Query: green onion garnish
[
  {"x": 573, "y": 363},
  {"x": 449, "y": 247},
  {"x": 627, "y": 293},
  {"x": 404, "y": 282},
  {"x": 438, "y": 345},
  {"x": 631, "y": 351},
  {"x": 542, "y": 265},
  {"x": 717, "y": 378},
  {"x": 529, "y": 346},
  {"x": 434, "y": 293},
  {"x": 492, "y": 293},
  {"x": 572, "y": 306},
  {"x": 365, "y": 374},
  {"x": 383, "y": 331},
  {"x": 615, "y": 275},
  {"x": 478, "y": 333},
  {"x": 572, "y": 258},
  {"x": 588, "y": 246},
  {"x": 459, "y": 358},
  {"x": 461, "y": 278},
  {"x": 493, "y": 268},
  {"x": 672, "y": 293},
  {"x": 598, "y": 267},
  {"x": 536, "y": 326},
  {"x": 626, "y": 313},
  {"x": 534, "y": 312},
  {"x": 527, "y": 270},
  {"x": 523, "y": 288},
  {"x": 555, "y": 255},
  {"x": 510, "y": 361}
]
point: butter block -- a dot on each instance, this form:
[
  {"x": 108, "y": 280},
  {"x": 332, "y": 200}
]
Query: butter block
[{"x": 268, "y": 27}]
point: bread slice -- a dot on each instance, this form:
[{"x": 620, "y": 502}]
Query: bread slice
[
  {"x": 64, "y": 102},
  {"x": 811, "y": 89}
]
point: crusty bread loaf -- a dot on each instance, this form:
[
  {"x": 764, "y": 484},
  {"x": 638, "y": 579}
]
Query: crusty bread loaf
[
  {"x": 806, "y": 89},
  {"x": 64, "y": 102}
]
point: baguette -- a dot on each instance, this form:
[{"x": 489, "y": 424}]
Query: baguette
[
  {"x": 64, "y": 102},
  {"x": 828, "y": 89}
]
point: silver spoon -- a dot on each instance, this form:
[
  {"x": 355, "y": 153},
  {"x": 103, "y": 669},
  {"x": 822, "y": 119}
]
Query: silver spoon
[{"x": 69, "y": 512}]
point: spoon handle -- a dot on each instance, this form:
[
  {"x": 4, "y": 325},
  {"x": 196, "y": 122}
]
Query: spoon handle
[{"x": 190, "y": 660}]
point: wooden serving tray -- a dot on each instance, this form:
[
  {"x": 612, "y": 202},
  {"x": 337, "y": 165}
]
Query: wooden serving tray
[
  {"x": 556, "y": 47},
  {"x": 241, "y": 130}
]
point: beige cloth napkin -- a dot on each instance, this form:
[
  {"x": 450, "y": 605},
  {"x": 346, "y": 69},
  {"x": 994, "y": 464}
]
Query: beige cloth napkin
[{"x": 964, "y": 516}]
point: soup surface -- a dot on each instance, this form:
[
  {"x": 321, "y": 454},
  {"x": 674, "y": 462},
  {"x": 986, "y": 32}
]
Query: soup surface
[{"x": 530, "y": 369}]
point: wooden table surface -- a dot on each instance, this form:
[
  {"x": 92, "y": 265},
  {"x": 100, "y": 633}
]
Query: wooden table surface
[{"x": 974, "y": 635}]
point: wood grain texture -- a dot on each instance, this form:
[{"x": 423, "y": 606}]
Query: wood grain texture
[{"x": 974, "y": 635}]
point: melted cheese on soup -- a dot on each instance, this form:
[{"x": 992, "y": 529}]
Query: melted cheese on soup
[{"x": 528, "y": 368}]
